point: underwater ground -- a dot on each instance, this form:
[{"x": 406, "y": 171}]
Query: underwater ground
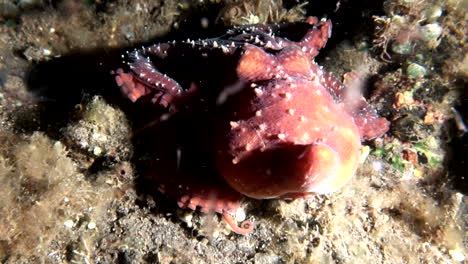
[{"x": 72, "y": 187}]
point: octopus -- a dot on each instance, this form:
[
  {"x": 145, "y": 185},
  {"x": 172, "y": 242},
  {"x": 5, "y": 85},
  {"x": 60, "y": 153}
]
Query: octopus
[{"x": 249, "y": 113}]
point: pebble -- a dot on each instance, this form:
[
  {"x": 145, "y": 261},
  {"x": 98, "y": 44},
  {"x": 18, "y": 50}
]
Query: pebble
[
  {"x": 401, "y": 47},
  {"x": 91, "y": 225},
  {"x": 457, "y": 255},
  {"x": 97, "y": 151},
  {"x": 69, "y": 223},
  {"x": 433, "y": 13},
  {"x": 431, "y": 31},
  {"x": 415, "y": 70}
]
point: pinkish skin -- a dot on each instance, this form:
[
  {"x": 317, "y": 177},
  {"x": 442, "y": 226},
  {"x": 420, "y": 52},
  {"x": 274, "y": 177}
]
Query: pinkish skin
[{"x": 292, "y": 133}]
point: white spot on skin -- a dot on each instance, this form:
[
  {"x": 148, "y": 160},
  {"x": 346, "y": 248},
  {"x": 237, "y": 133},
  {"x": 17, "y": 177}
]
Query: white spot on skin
[
  {"x": 262, "y": 127},
  {"x": 286, "y": 95},
  {"x": 291, "y": 111},
  {"x": 258, "y": 91},
  {"x": 258, "y": 113},
  {"x": 281, "y": 136},
  {"x": 225, "y": 49},
  {"x": 257, "y": 40},
  {"x": 248, "y": 147},
  {"x": 234, "y": 124}
]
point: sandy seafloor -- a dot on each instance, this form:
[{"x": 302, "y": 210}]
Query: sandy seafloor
[{"x": 71, "y": 188}]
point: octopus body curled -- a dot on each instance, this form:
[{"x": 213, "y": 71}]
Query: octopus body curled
[{"x": 275, "y": 124}]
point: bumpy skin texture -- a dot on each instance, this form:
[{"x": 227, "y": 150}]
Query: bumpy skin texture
[
  {"x": 292, "y": 138},
  {"x": 274, "y": 123}
]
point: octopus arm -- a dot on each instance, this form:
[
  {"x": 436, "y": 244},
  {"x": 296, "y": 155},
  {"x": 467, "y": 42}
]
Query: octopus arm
[
  {"x": 257, "y": 65},
  {"x": 369, "y": 123},
  {"x": 144, "y": 80}
]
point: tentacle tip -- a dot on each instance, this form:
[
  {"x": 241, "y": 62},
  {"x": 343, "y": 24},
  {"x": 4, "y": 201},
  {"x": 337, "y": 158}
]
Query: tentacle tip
[
  {"x": 246, "y": 227},
  {"x": 312, "y": 20}
]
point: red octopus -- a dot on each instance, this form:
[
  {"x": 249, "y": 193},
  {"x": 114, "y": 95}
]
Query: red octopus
[{"x": 270, "y": 122}]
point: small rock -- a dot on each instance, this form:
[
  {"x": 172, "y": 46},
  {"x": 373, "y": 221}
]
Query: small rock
[
  {"x": 102, "y": 129},
  {"x": 431, "y": 31},
  {"x": 46, "y": 52},
  {"x": 409, "y": 2},
  {"x": 91, "y": 225},
  {"x": 9, "y": 10},
  {"x": 265, "y": 258},
  {"x": 97, "y": 151},
  {"x": 415, "y": 70},
  {"x": 402, "y": 47},
  {"x": 457, "y": 255},
  {"x": 29, "y": 4},
  {"x": 433, "y": 13},
  {"x": 69, "y": 223}
]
